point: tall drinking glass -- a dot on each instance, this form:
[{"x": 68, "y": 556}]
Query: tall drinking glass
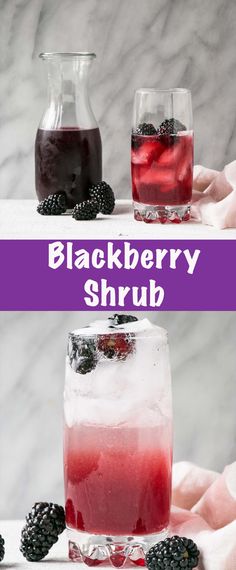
[
  {"x": 118, "y": 440},
  {"x": 162, "y": 155}
]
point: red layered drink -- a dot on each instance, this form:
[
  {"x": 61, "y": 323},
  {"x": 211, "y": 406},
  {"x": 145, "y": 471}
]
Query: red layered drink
[
  {"x": 118, "y": 440},
  {"x": 128, "y": 474},
  {"x": 67, "y": 160},
  {"x": 162, "y": 155},
  {"x": 162, "y": 169}
]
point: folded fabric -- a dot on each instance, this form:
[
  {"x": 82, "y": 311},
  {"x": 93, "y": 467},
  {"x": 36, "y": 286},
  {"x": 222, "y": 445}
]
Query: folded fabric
[
  {"x": 214, "y": 196},
  {"x": 211, "y": 522},
  {"x": 190, "y": 483}
]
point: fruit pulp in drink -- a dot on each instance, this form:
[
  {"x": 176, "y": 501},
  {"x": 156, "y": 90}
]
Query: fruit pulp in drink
[
  {"x": 162, "y": 169},
  {"x": 67, "y": 160},
  {"x": 118, "y": 479}
]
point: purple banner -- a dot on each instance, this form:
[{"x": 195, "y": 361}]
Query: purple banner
[{"x": 118, "y": 275}]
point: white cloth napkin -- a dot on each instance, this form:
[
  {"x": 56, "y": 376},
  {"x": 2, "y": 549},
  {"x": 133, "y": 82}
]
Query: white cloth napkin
[
  {"x": 214, "y": 196},
  {"x": 204, "y": 509}
]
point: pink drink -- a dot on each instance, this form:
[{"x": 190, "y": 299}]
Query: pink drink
[
  {"x": 162, "y": 169},
  {"x": 118, "y": 480},
  {"x": 118, "y": 440}
]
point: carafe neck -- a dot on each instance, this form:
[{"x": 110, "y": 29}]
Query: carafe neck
[{"x": 68, "y": 92}]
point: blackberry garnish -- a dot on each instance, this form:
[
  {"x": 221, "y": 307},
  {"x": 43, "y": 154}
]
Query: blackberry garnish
[
  {"x": 54, "y": 205},
  {"x": 104, "y": 196},
  {"x": 43, "y": 525},
  {"x": 82, "y": 355},
  {"x": 87, "y": 210},
  {"x": 2, "y": 548},
  {"x": 173, "y": 553},
  {"x": 170, "y": 127},
  {"x": 116, "y": 346},
  {"x": 85, "y": 365},
  {"x": 122, "y": 319},
  {"x": 146, "y": 129}
]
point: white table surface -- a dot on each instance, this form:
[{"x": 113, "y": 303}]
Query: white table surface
[
  {"x": 57, "y": 557},
  {"x": 20, "y": 220}
]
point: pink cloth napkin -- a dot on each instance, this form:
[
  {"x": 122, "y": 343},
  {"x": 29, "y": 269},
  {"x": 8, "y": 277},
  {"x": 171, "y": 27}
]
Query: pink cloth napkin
[
  {"x": 204, "y": 509},
  {"x": 214, "y": 196}
]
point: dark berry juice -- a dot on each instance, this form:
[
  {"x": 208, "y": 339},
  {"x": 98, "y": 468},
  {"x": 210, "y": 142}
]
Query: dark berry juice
[
  {"x": 162, "y": 169},
  {"x": 67, "y": 160},
  {"x": 117, "y": 480}
]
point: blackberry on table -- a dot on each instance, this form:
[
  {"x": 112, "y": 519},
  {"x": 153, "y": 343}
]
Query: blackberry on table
[
  {"x": 54, "y": 205},
  {"x": 146, "y": 129},
  {"x": 104, "y": 196},
  {"x": 173, "y": 554},
  {"x": 43, "y": 525},
  {"x": 122, "y": 319},
  {"x": 2, "y": 548},
  {"x": 87, "y": 210}
]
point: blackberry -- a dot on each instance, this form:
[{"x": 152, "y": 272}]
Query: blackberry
[
  {"x": 146, "y": 129},
  {"x": 116, "y": 346},
  {"x": 122, "y": 319},
  {"x": 2, "y": 549},
  {"x": 173, "y": 554},
  {"x": 54, "y": 205},
  {"x": 104, "y": 196},
  {"x": 82, "y": 354},
  {"x": 170, "y": 127},
  {"x": 43, "y": 525},
  {"x": 87, "y": 210},
  {"x": 85, "y": 365}
]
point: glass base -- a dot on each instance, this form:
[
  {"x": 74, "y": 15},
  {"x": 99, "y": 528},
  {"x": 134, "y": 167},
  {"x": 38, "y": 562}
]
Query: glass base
[
  {"x": 95, "y": 549},
  {"x": 161, "y": 214}
]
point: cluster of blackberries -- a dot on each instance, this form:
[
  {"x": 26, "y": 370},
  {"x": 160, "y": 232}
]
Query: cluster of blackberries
[
  {"x": 84, "y": 352},
  {"x": 168, "y": 127},
  {"x": 101, "y": 199}
]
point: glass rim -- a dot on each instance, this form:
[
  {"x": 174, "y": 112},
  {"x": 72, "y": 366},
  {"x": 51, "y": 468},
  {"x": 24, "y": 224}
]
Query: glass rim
[
  {"x": 67, "y": 54},
  {"x": 162, "y": 336},
  {"x": 170, "y": 90}
]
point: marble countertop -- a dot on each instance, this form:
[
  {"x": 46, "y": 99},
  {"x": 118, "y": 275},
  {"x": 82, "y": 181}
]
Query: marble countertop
[
  {"x": 20, "y": 220},
  {"x": 57, "y": 557}
]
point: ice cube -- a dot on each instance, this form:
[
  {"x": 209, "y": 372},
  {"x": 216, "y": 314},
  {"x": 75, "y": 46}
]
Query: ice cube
[
  {"x": 171, "y": 156},
  {"x": 147, "y": 152}
]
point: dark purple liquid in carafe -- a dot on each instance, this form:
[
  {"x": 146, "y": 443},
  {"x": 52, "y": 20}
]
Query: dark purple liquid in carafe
[{"x": 67, "y": 160}]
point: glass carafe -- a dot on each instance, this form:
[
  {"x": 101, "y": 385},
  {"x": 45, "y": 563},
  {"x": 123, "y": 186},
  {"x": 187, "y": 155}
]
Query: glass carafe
[{"x": 68, "y": 151}]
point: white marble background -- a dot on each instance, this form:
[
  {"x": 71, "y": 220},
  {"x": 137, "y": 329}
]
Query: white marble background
[
  {"x": 32, "y": 352},
  {"x": 163, "y": 43}
]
